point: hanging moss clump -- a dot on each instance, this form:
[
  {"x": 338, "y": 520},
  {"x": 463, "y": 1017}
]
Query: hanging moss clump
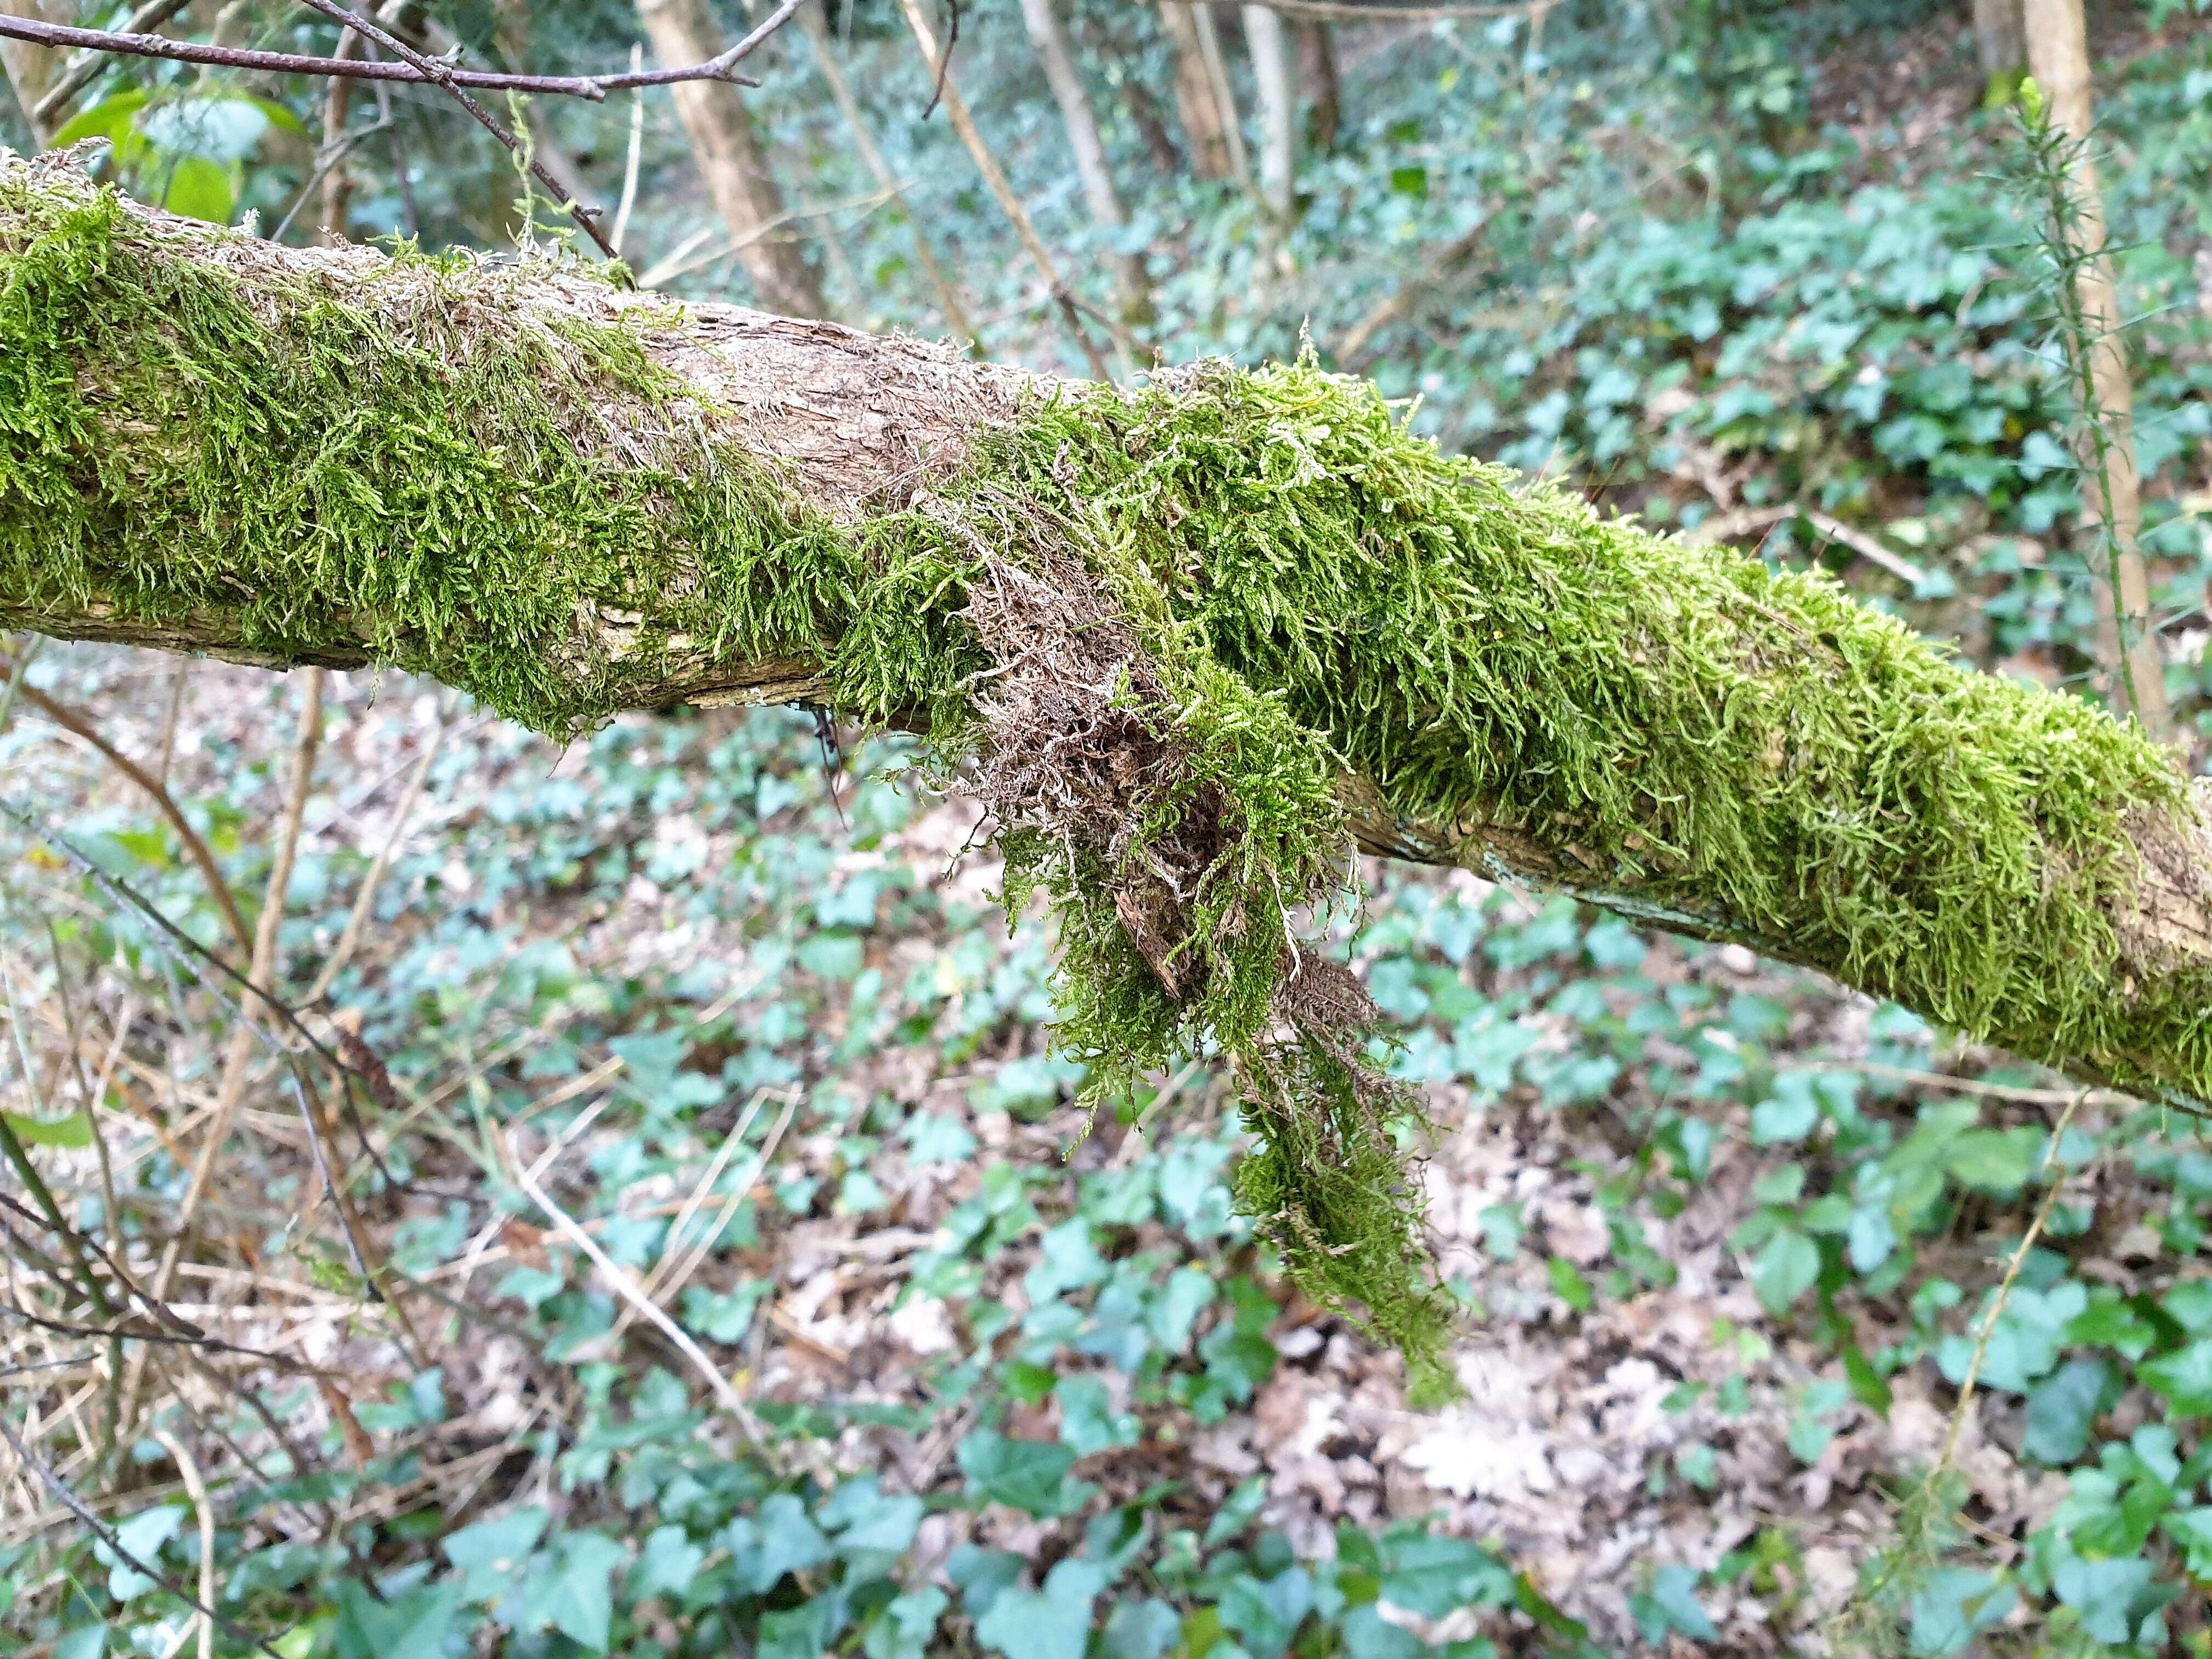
[{"x": 1163, "y": 635}]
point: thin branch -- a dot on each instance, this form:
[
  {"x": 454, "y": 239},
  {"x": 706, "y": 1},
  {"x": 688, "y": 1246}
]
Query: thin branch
[
  {"x": 1352, "y": 11},
  {"x": 100, "y": 1530},
  {"x": 80, "y": 75},
  {"x": 133, "y": 44},
  {"x": 627, "y": 1289},
  {"x": 195, "y": 848},
  {"x": 445, "y": 75}
]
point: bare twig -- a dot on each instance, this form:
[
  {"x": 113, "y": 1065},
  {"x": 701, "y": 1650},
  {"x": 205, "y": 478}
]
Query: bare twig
[
  {"x": 629, "y": 166},
  {"x": 2005, "y": 1288},
  {"x": 80, "y": 74},
  {"x": 627, "y": 1288},
  {"x": 196, "y": 1490},
  {"x": 196, "y": 849},
  {"x": 100, "y": 1530},
  {"x": 260, "y": 974},
  {"x": 445, "y": 75},
  {"x": 1002, "y": 191},
  {"x": 1353, "y": 11},
  {"x": 358, "y": 916},
  {"x": 1742, "y": 523},
  {"x": 131, "y": 42}
]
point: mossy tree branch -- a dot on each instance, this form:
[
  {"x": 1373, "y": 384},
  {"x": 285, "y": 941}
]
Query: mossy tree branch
[{"x": 570, "y": 500}]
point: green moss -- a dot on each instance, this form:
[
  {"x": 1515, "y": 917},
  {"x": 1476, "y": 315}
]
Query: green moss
[{"x": 418, "y": 473}]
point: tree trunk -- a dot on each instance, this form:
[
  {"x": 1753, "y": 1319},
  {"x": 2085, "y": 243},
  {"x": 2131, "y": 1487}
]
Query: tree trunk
[
  {"x": 2000, "y": 45},
  {"x": 568, "y": 500},
  {"x": 1131, "y": 286},
  {"x": 1266, "y": 39},
  {"x": 949, "y": 302},
  {"x": 2111, "y": 496},
  {"x": 1196, "y": 106},
  {"x": 1203, "y": 24},
  {"x": 731, "y": 158},
  {"x": 1317, "y": 70},
  {"x": 31, "y": 70}
]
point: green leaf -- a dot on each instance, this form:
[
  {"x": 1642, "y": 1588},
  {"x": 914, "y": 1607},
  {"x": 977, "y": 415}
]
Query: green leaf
[
  {"x": 1787, "y": 1268},
  {"x": 2191, "y": 1529},
  {"x": 577, "y": 1598},
  {"x": 1029, "y": 1475},
  {"x": 1998, "y": 1161},
  {"x": 866, "y": 1522},
  {"x": 1368, "y": 1635},
  {"x": 902, "y": 1629},
  {"x": 110, "y": 119},
  {"x": 1674, "y": 1593},
  {"x": 669, "y": 1563},
  {"x": 1266, "y": 1612},
  {"x": 2061, "y": 1409},
  {"x": 2184, "y": 1377},
  {"x": 1088, "y": 1423},
  {"x": 491, "y": 1555},
  {"x": 200, "y": 189},
  {"x": 1569, "y": 1285},
  {"x": 68, "y": 1133},
  {"x": 1435, "y": 1574},
  {"x": 142, "y": 1536},
  {"x": 85, "y": 1642},
  {"x": 1139, "y": 1630},
  {"x": 805, "y": 1631},
  {"x": 1784, "y": 1119},
  {"x": 1051, "y": 1624},
  {"x": 781, "y": 1539},
  {"x": 1954, "y": 1607},
  {"x": 2105, "y": 1592}
]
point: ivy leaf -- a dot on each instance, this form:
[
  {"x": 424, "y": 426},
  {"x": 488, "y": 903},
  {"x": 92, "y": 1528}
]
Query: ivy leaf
[
  {"x": 1029, "y": 1475},
  {"x": 491, "y": 1555},
  {"x": 2105, "y": 1592},
  {"x": 1266, "y": 1612},
  {"x": 1087, "y": 1420},
  {"x": 1954, "y": 1607},
  {"x": 1435, "y": 1575},
  {"x": 2060, "y": 1410},
  {"x": 1139, "y": 1630},
  {"x": 1051, "y": 1624},
  {"x": 1787, "y": 1267},
  {"x": 782, "y": 1538},
  {"x": 1672, "y": 1605},
  {"x": 577, "y": 1597},
  {"x": 804, "y": 1631},
  {"x": 142, "y": 1536},
  {"x": 2184, "y": 1377},
  {"x": 902, "y": 1629},
  {"x": 669, "y": 1563},
  {"x": 2191, "y": 1529}
]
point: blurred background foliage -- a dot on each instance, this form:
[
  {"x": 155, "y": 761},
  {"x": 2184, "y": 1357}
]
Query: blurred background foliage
[{"x": 1020, "y": 1383}]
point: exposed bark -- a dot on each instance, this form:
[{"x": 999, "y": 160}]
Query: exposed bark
[
  {"x": 30, "y": 69},
  {"x": 1196, "y": 106},
  {"x": 337, "y": 182},
  {"x": 2058, "y": 58},
  {"x": 949, "y": 301},
  {"x": 1207, "y": 30},
  {"x": 1317, "y": 71},
  {"x": 860, "y": 427},
  {"x": 1268, "y": 42},
  {"x": 2000, "y": 40},
  {"x": 731, "y": 159},
  {"x": 1131, "y": 286},
  {"x": 1002, "y": 191}
]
